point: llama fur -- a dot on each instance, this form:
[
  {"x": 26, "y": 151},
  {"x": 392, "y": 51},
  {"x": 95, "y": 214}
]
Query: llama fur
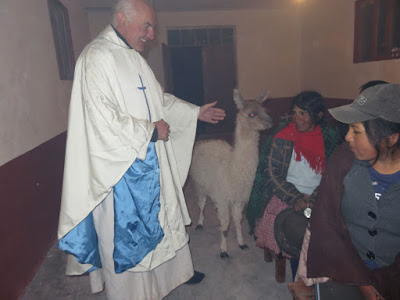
[{"x": 226, "y": 173}]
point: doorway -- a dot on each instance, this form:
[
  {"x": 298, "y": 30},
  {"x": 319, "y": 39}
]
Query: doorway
[
  {"x": 203, "y": 74},
  {"x": 187, "y": 77}
]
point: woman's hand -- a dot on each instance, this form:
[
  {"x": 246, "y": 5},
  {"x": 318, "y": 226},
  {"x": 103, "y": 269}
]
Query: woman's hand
[
  {"x": 302, "y": 204},
  {"x": 300, "y": 291},
  {"x": 370, "y": 293}
]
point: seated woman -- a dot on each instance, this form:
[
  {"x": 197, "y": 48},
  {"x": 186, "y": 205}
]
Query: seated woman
[
  {"x": 355, "y": 227},
  {"x": 290, "y": 168}
]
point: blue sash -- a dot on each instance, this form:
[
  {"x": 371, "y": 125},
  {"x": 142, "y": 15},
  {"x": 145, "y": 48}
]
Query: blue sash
[
  {"x": 137, "y": 230},
  {"x": 82, "y": 243}
]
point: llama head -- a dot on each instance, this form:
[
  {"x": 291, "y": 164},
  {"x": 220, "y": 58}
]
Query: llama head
[{"x": 252, "y": 112}]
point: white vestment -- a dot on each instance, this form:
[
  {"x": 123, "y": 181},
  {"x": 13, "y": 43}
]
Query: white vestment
[{"x": 109, "y": 127}]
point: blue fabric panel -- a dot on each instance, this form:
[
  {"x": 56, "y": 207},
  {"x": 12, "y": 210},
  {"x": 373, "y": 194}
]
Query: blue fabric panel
[
  {"x": 82, "y": 243},
  {"x": 371, "y": 264},
  {"x": 137, "y": 229}
]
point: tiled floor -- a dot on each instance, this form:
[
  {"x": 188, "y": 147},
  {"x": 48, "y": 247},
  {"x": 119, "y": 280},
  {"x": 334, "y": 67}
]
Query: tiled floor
[{"x": 245, "y": 276}]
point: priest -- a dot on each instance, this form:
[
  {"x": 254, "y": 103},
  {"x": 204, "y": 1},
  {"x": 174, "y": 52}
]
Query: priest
[{"x": 129, "y": 147}]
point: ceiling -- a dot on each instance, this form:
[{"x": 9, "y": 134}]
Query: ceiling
[
  {"x": 196, "y": 5},
  {"x": 190, "y": 5}
]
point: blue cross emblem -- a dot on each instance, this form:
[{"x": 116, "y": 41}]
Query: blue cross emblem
[{"x": 143, "y": 88}]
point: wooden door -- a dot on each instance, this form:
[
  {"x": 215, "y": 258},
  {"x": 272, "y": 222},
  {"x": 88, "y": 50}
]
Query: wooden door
[
  {"x": 187, "y": 73},
  {"x": 203, "y": 75},
  {"x": 167, "y": 64},
  {"x": 219, "y": 79}
]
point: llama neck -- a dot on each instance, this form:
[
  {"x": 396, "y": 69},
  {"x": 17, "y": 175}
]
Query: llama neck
[{"x": 245, "y": 149}]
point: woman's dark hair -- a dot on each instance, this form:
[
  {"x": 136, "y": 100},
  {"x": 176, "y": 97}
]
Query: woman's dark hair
[
  {"x": 371, "y": 83},
  {"x": 378, "y": 132},
  {"x": 313, "y": 103}
]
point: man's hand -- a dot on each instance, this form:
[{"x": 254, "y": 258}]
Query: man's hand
[
  {"x": 369, "y": 292},
  {"x": 209, "y": 113},
  {"x": 163, "y": 130}
]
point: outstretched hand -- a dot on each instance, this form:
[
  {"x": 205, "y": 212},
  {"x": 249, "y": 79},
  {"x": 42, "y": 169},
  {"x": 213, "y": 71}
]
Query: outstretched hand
[{"x": 209, "y": 113}]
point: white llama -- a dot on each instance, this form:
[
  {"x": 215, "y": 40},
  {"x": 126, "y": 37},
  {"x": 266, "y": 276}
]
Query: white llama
[{"x": 225, "y": 173}]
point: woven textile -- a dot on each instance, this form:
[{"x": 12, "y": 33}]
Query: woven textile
[{"x": 264, "y": 231}]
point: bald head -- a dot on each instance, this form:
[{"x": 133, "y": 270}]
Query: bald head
[{"x": 135, "y": 21}]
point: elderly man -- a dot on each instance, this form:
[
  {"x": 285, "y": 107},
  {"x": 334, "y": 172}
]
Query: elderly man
[{"x": 129, "y": 147}]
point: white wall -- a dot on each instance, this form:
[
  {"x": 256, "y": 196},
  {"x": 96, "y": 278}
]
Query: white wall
[
  {"x": 98, "y": 20},
  {"x": 327, "y": 51},
  {"x": 305, "y": 47},
  {"x": 268, "y": 45},
  {"x": 33, "y": 101}
]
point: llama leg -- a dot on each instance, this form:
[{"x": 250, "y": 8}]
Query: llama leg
[
  {"x": 202, "y": 204},
  {"x": 224, "y": 220},
  {"x": 237, "y": 215}
]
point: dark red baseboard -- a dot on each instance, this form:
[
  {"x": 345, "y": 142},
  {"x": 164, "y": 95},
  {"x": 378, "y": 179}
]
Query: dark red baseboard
[{"x": 30, "y": 188}]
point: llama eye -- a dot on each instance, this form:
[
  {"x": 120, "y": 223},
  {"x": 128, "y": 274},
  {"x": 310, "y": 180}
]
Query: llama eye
[{"x": 252, "y": 115}]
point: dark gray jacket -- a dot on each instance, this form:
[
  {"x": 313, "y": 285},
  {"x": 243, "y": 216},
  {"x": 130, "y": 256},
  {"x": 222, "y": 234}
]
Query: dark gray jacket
[{"x": 374, "y": 225}]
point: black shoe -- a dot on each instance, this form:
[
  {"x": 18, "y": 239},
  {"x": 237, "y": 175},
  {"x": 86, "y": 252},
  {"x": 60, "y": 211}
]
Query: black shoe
[{"x": 197, "y": 278}]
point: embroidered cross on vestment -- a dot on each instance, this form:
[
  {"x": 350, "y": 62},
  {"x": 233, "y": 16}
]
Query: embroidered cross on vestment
[{"x": 143, "y": 88}]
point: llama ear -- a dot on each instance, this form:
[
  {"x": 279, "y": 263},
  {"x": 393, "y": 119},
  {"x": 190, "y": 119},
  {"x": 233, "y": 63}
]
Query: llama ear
[
  {"x": 238, "y": 99},
  {"x": 263, "y": 97}
]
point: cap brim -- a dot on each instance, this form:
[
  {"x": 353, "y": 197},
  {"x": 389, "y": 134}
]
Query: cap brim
[{"x": 348, "y": 114}]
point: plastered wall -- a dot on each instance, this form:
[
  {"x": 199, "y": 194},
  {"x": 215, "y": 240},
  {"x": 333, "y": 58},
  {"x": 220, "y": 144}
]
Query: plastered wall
[
  {"x": 268, "y": 45},
  {"x": 307, "y": 46},
  {"x": 33, "y": 101},
  {"x": 327, "y": 51},
  {"x": 98, "y": 19}
]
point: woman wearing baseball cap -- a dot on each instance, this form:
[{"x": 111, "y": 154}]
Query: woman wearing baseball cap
[{"x": 355, "y": 240}]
